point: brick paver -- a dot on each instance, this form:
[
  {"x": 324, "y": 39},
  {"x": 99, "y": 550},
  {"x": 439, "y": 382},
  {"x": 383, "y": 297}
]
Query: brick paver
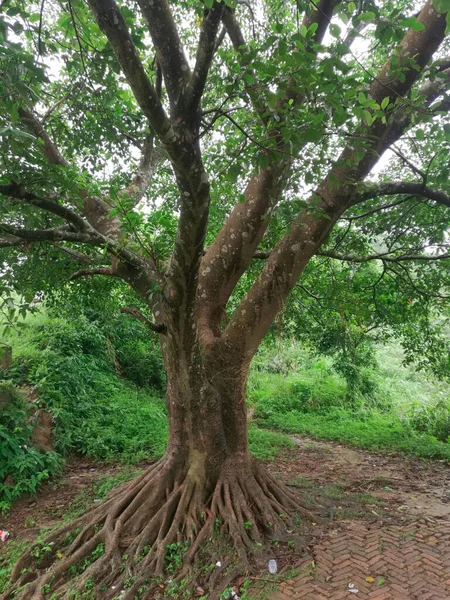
[{"x": 407, "y": 562}]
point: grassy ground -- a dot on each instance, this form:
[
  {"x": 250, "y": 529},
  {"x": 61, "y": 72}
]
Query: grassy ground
[{"x": 293, "y": 391}]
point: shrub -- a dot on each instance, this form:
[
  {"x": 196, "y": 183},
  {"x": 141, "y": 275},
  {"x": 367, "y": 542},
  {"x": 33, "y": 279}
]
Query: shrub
[{"x": 22, "y": 467}]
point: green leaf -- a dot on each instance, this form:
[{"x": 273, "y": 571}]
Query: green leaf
[
  {"x": 420, "y": 134},
  {"x": 442, "y": 6},
  {"x": 385, "y": 102},
  {"x": 367, "y": 17},
  {"x": 362, "y": 98},
  {"x": 413, "y": 23},
  {"x": 368, "y": 117},
  {"x": 209, "y": 3},
  {"x": 335, "y": 30}
]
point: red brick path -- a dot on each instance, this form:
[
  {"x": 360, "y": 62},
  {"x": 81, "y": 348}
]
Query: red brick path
[{"x": 408, "y": 562}]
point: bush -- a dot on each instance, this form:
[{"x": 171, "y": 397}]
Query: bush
[
  {"x": 22, "y": 467},
  {"x": 316, "y": 390},
  {"x": 73, "y": 367}
]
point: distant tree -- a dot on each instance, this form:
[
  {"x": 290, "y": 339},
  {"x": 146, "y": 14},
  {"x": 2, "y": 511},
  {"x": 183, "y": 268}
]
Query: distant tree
[{"x": 202, "y": 153}]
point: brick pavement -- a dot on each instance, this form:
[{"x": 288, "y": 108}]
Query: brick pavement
[{"x": 407, "y": 562}]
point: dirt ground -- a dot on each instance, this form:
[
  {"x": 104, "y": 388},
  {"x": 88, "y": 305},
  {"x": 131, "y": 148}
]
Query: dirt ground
[
  {"x": 408, "y": 485},
  {"x": 358, "y": 490}
]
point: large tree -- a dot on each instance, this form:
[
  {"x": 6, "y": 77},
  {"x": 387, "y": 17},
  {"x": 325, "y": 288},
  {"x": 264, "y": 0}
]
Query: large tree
[{"x": 257, "y": 127}]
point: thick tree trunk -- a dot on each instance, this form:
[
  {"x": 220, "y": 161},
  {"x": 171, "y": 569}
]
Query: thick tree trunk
[{"x": 206, "y": 495}]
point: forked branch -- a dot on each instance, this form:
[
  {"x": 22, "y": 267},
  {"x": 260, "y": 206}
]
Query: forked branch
[{"x": 169, "y": 49}]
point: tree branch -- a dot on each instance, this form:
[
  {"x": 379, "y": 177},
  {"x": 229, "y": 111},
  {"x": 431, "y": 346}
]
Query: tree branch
[
  {"x": 49, "y": 148},
  {"x": 94, "y": 271},
  {"x": 169, "y": 49},
  {"x": 391, "y": 188},
  {"x": 157, "y": 328},
  {"x": 20, "y": 236},
  {"x": 78, "y": 257},
  {"x": 150, "y": 159},
  {"x": 383, "y": 256},
  {"x": 253, "y": 90},
  {"x": 205, "y": 53},
  {"x": 17, "y": 193},
  {"x": 112, "y": 23},
  {"x": 373, "y": 211}
]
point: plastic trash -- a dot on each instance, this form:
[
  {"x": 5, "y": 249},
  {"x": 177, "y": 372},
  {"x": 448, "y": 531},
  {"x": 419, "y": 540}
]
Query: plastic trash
[
  {"x": 4, "y": 535},
  {"x": 273, "y": 566},
  {"x": 218, "y": 563},
  {"x": 352, "y": 589}
]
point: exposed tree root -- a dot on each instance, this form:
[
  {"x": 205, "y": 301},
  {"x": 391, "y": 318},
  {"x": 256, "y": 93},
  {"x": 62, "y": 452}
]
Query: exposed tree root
[{"x": 158, "y": 526}]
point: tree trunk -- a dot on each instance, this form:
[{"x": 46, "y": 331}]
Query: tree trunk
[{"x": 205, "y": 484}]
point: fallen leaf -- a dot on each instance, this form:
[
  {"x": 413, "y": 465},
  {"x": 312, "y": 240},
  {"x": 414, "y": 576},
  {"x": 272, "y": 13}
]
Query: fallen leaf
[
  {"x": 370, "y": 579},
  {"x": 380, "y": 581},
  {"x": 59, "y": 555}
]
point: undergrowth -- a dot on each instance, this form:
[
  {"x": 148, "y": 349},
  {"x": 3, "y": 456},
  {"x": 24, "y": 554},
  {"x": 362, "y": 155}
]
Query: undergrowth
[
  {"x": 22, "y": 466},
  {"x": 73, "y": 371},
  {"x": 294, "y": 391}
]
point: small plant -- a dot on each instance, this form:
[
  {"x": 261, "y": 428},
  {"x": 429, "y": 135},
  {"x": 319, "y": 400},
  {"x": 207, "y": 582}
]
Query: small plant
[
  {"x": 41, "y": 550},
  {"x": 174, "y": 556}
]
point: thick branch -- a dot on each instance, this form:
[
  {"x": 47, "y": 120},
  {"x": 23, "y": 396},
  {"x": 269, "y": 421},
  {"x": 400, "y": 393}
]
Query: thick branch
[
  {"x": 112, "y": 23},
  {"x": 49, "y": 148},
  {"x": 19, "y": 236},
  {"x": 205, "y": 53},
  {"x": 157, "y": 328},
  {"x": 169, "y": 49},
  {"x": 150, "y": 159},
  {"x": 320, "y": 13}
]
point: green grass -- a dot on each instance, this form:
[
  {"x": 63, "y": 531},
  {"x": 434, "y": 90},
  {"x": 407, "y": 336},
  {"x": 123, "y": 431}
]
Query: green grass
[
  {"x": 374, "y": 431},
  {"x": 9, "y": 556},
  {"x": 266, "y": 445},
  {"x": 296, "y": 392}
]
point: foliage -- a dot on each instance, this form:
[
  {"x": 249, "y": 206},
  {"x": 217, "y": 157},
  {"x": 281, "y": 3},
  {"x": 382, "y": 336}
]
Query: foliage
[
  {"x": 22, "y": 466},
  {"x": 294, "y": 391},
  {"x": 72, "y": 365}
]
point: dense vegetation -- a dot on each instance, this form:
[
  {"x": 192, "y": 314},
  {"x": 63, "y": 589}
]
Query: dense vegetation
[{"x": 88, "y": 374}]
